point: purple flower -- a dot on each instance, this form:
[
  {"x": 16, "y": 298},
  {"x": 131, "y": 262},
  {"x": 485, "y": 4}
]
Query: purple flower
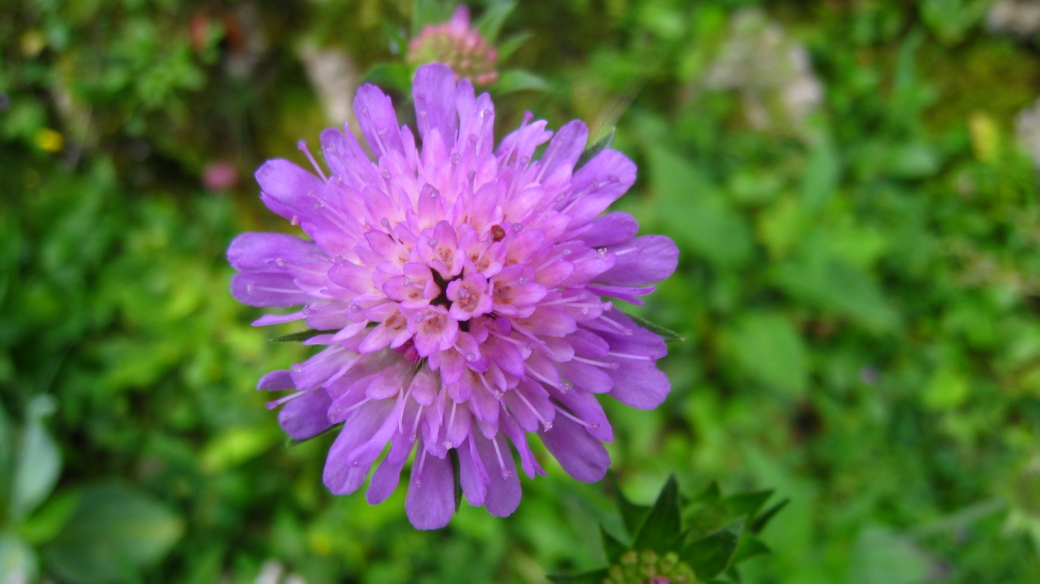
[{"x": 463, "y": 291}]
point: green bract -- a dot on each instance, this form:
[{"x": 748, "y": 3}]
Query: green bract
[{"x": 682, "y": 541}]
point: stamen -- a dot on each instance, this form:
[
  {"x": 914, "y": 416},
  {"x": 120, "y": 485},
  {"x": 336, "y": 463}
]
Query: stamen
[
  {"x": 501, "y": 463},
  {"x": 542, "y": 378},
  {"x": 572, "y": 417},
  {"x": 415, "y": 424},
  {"x": 597, "y": 363},
  {"x": 545, "y": 424},
  {"x": 283, "y": 400},
  {"x": 418, "y": 473},
  {"x": 628, "y": 356},
  {"x": 302, "y": 145}
]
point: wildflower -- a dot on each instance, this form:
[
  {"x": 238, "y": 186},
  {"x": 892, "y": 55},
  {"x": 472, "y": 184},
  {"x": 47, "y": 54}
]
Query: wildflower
[
  {"x": 457, "y": 45},
  {"x": 460, "y": 294}
]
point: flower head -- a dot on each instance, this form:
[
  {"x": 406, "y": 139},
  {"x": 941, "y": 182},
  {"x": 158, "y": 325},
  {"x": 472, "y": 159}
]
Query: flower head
[
  {"x": 462, "y": 293},
  {"x": 457, "y": 45}
]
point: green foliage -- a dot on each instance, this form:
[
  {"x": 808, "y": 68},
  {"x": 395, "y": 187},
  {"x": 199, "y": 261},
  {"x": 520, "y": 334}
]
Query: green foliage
[
  {"x": 663, "y": 544},
  {"x": 857, "y": 286}
]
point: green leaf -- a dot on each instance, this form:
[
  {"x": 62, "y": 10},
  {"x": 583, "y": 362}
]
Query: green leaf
[
  {"x": 712, "y": 554},
  {"x": 426, "y": 12},
  {"x": 750, "y": 547},
  {"x": 494, "y": 16},
  {"x": 632, "y": 514},
  {"x": 455, "y": 469},
  {"x": 663, "y": 526},
  {"x": 6, "y": 452},
  {"x": 300, "y": 336},
  {"x": 390, "y": 75},
  {"x": 693, "y": 210},
  {"x": 17, "y": 560},
  {"x": 518, "y": 80},
  {"x": 762, "y": 520},
  {"x": 769, "y": 349},
  {"x": 510, "y": 45},
  {"x": 880, "y": 556},
  {"x": 395, "y": 39},
  {"x": 611, "y": 546},
  {"x": 39, "y": 461},
  {"x": 116, "y": 531},
  {"x": 590, "y": 577},
  {"x": 669, "y": 336},
  {"x": 600, "y": 145},
  {"x": 234, "y": 446},
  {"x": 822, "y": 174},
  {"x": 747, "y": 504},
  {"x": 711, "y": 494},
  {"x": 947, "y": 390},
  {"x": 838, "y": 287},
  {"x": 48, "y": 521}
]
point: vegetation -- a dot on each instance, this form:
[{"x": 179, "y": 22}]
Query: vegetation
[{"x": 859, "y": 284}]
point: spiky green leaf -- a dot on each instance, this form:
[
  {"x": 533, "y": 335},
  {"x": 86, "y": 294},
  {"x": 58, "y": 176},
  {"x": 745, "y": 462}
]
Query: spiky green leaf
[
  {"x": 600, "y": 145},
  {"x": 713, "y": 553},
  {"x": 632, "y": 514},
  {"x": 666, "y": 334},
  {"x": 663, "y": 526}
]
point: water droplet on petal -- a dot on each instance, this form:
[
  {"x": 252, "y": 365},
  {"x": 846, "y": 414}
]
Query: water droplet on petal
[
  {"x": 250, "y": 288},
  {"x": 296, "y": 368},
  {"x": 433, "y": 243},
  {"x": 471, "y": 357},
  {"x": 385, "y": 174},
  {"x": 354, "y": 307},
  {"x": 521, "y": 280}
]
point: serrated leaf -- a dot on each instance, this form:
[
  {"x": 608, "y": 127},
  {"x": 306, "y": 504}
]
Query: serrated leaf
[
  {"x": 611, "y": 546},
  {"x": 747, "y": 504},
  {"x": 510, "y": 45},
  {"x": 301, "y": 336},
  {"x": 493, "y": 18},
  {"x": 712, "y": 554},
  {"x": 600, "y": 145},
  {"x": 39, "y": 460},
  {"x": 762, "y": 520},
  {"x": 669, "y": 336},
  {"x": 663, "y": 526},
  {"x": 632, "y": 514},
  {"x": 116, "y": 531},
  {"x": 519, "y": 80},
  {"x": 590, "y": 577}
]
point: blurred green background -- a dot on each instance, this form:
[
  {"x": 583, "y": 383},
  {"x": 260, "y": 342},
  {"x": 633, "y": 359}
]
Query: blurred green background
[{"x": 852, "y": 183}]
